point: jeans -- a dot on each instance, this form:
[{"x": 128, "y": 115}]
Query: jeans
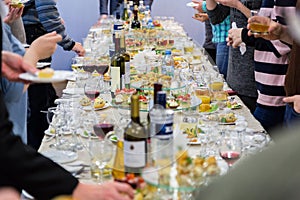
[
  {"x": 222, "y": 57},
  {"x": 269, "y": 117},
  {"x": 291, "y": 116}
]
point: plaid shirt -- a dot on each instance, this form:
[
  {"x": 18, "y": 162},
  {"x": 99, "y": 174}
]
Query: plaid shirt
[
  {"x": 220, "y": 31},
  {"x": 45, "y": 14}
]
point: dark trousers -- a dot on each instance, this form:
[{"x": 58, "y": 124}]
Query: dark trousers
[{"x": 40, "y": 97}]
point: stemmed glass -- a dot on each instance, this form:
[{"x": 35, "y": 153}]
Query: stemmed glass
[
  {"x": 101, "y": 152},
  {"x": 230, "y": 148},
  {"x": 55, "y": 120},
  {"x": 92, "y": 89},
  {"x": 102, "y": 128}
]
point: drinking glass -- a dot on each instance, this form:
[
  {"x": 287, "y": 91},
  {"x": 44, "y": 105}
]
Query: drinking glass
[
  {"x": 230, "y": 148},
  {"x": 103, "y": 127},
  {"x": 258, "y": 28},
  {"x": 77, "y": 63},
  {"x": 56, "y": 121},
  {"x": 101, "y": 152},
  {"x": 92, "y": 89}
]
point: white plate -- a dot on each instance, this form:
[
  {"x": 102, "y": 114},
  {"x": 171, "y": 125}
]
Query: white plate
[
  {"x": 192, "y": 4},
  {"x": 59, "y": 76},
  {"x": 238, "y": 118},
  {"x": 47, "y": 132},
  {"x": 104, "y": 107},
  {"x": 43, "y": 64},
  {"x": 60, "y": 156},
  {"x": 84, "y": 135},
  {"x": 195, "y": 142},
  {"x": 73, "y": 91}
]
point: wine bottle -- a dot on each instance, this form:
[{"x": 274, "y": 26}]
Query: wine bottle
[
  {"x": 135, "y": 24},
  {"x": 126, "y": 56},
  {"x": 118, "y": 171},
  {"x": 117, "y": 66},
  {"x": 125, "y": 15},
  {"x": 135, "y": 141}
]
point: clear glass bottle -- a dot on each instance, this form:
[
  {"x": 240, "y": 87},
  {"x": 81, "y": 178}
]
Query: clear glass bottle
[
  {"x": 167, "y": 67},
  {"x": 161, "y": 130}
]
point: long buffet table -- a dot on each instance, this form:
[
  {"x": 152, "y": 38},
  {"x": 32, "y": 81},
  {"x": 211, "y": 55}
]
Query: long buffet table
[{"x": 179, "y": 118}]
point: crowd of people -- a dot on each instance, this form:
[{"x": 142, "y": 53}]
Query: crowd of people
[{"x": 265, "y": 77}]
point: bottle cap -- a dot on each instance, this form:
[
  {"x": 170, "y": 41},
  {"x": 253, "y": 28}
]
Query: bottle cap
[{"x": 168, "y": 52}]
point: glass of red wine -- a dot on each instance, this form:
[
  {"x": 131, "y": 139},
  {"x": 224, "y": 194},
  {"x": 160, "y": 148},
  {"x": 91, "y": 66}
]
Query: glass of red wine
[
  {"x": 230, "y": 149},
  {"x": 102, "y": 128},
  {"x": 92, "y": 89}
]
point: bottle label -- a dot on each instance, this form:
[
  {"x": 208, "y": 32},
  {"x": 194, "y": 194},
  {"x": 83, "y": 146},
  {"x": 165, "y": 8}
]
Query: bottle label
[
  {"x": 134, "y": 154},
  {"x": 115, "y": 78},
  {"x": 118, "y": 27},
  {"x": 127, "y": 73}
]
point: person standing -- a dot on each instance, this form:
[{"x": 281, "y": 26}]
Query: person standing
[
  {"x": 240, "y": 73},
  {"x": 220, "y": 33},
  {"x": 271, "y": 62},
  {"x": 41, "y": 17}
]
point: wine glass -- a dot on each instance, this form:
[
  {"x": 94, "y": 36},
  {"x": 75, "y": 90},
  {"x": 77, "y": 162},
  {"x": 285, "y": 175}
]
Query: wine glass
[
  {"x": 55, "y": 120},
  {"x": 92, "y": 89},
  {"x": 230, "y": 148},
  {"x": 101, "y": 152},
  {"x": 102, "y": 128}
]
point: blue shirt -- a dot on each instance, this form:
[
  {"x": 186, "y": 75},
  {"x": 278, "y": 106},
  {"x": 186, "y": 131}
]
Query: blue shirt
[
  {"x": 14, "y": 97},
  {"x": 220, "y": 31}
]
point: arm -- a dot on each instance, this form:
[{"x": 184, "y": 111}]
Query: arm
[
  {"x": 237, "y": 5},
  {"x": 42, "y": 48},
  {"x": 51, "y": 21},
  {"x": 218, "y": 14}
]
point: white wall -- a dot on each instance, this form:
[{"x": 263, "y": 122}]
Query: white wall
[{"x": 80, "y": 15}]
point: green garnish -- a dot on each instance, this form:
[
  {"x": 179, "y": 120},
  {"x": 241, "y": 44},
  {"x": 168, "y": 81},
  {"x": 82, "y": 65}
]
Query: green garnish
[{"x": 189, "y": 160}]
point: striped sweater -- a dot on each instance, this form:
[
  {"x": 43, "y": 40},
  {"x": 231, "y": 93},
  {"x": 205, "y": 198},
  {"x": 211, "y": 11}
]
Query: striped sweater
[
  {"x": 44, "y": 13},
  {"x": 271, "y": 57}
]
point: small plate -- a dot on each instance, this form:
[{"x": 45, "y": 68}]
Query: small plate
[
  {"x": 73, "y": 91},
  {"x": 192, "y": 4},
  {"x": 59, "y": 76},
  {"x": 60, "y": 156},
  {"x": 40, "y": 65},
  {"x": 104, "y": 107},
  {"x": 47, "y": 132},
  {"x": 85, "y": 135},
  {"x": 238, "y": 118},
  {"x": 194, "y": 141}
]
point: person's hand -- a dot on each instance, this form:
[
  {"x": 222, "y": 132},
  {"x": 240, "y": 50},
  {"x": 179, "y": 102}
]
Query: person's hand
[
  {"x": 202, "y": 17},
  {"x": 8, "y": 193},
  {"x": 107, "y": 190},
  {"x": 13, "y": 65},
  {"x": 99, "y": 22},
  {"x": 43, "y": 47},
  {"x": 199, "y": 7},
  {"x": 229, "y": 3},
  {"x": 13, "y": 14},
  {"x": 275, "y": 29},
  {"x": 295, "y": 100},
  {"x": 234, "y": 38},
  {"x": 78, "y": 48}
]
